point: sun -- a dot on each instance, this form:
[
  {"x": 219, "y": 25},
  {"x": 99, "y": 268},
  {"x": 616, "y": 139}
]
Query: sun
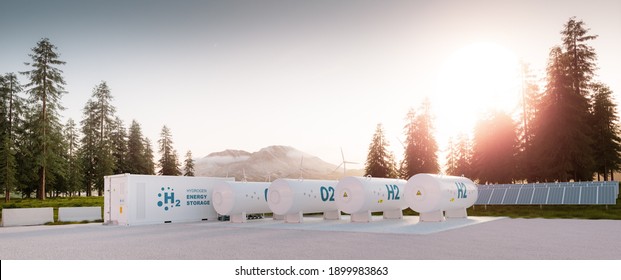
[{"x": 473, "y": 80}]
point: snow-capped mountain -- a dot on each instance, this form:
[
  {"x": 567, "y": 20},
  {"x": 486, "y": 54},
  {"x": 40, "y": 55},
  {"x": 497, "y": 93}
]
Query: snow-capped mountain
[{"x": 268, "y": 164}]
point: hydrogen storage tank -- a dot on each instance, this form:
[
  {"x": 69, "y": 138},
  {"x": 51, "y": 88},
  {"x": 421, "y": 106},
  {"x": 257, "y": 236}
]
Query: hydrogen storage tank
[
  {"x": 237, "y": 199},
  {"x": 294, "y": 197},
  {"x": 431, "y": 195},
  {"x": 148, "y": 199},
  {"x": 359, "y": 196}
]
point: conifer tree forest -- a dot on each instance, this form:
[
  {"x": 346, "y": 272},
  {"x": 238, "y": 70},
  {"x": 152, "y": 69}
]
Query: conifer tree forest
[
  {"x": 567, "y": 131},
  {"x": 42, "y": 157}
]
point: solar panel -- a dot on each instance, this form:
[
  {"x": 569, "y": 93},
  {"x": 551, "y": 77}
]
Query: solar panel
[
  {"x": 526, "y": 195},
  {"x": 572, "y": 195},
  {"x": 497, "y": 196},
  {"x": 615, "y": 186},
  {"x": 540, "y": 196},
  {"x": 484, "y": 195},
  {"x": 511, "y": 196},
  {"x": 550, "y": 193},
  {"x": 589, "y": 195},
  {"x": 607, "y": 194},
  {"x": 556, "y": 195}
]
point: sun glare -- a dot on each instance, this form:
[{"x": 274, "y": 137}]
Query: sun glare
[{"x": 474, "y": 80}]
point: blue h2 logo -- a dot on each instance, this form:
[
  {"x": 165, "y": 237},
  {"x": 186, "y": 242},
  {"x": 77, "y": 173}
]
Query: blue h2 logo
[
  {"x": 461, "y": 190},
  {"x": 168, "y": 195},
  {"x": 393, "y": 192}
]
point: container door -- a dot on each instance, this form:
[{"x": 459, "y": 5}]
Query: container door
[{"x": 118, "y": 190}]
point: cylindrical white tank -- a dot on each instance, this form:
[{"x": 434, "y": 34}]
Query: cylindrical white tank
[
  {"x": 230, "y": 198},
  {"x": 290, "y": 196},
  {"x": 429, "y": 192},
  {"x": 364, "y": 194}
]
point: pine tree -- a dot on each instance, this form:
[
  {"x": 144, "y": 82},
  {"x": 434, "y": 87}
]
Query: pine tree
[
  {"x": 606, "y": 133},
  {"x": 494, "y": 149},
  {"x": 420, "y": 155},
  {"x": 136, "y": 150},
  {"x": 459, "y": 159},
  {"x": 139, "y": 152},
  {"x": 148, "y": 157},
  {"x": 563, "y": 137},
  {"x": 45, "y": 89},
  {"x": 104, "y": 117},
  {"x": 581, "y": 58},
  {"x": 97, "y": 146},
  {"x": 59, "y": 163},
  {"x": 88, "y": 147},
  {"x": 531, "y": 99},
  {"x": 11, "y": 109},
  {"x": 26, "y": 145},
  {"x": 380, "y": 162},
  {"x": 118, "y": 138},
  {"x": 451, "y": 158},
  {"x": 552, "y": 128},
  {"x": 75, "y": 177},
  {"x": 188, "y": 168},
  {"x": 168, "y": 163}
]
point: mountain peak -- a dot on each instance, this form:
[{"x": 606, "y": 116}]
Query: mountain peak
[
  {"x": 228, "y": 152},
  {"x": 268, "y": 163}
]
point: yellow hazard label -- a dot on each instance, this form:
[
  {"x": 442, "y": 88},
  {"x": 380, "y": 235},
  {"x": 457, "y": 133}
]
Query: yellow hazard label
[
  {"x": 452, "y": 199},
  {"x": 380, "y": 201},
  {"x": 345, "y": 194},
  {"x": 121, "y": 209},
  {"x": 418, "y": 193}
]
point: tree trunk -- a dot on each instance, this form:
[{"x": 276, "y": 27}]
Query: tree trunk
[
  {"x": 41, "y": 191},
  {"x": 41, "y": 194}
]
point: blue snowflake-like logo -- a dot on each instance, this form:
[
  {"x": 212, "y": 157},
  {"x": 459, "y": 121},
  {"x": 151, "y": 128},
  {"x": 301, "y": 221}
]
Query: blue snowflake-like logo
[{"x": 167, "y": 198}]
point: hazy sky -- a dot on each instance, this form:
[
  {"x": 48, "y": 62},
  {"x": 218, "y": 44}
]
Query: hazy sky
[{"x": 316, "y": 75}]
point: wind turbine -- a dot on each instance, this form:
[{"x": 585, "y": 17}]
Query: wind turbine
[
  {"x": 344, "y": 163},
  {"x": 244, "y": 172},
  {"x": 301, "y": 168},
  {"x": 268, "y": 175}
]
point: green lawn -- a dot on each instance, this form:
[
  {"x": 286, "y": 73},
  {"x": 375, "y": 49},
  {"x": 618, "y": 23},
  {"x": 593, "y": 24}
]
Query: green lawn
[
  {"x": 612, "y": 212},
  {"x": 55, "y": 203}
]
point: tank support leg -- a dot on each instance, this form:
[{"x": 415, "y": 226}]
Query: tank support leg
[
  {"x": 295, "y": 218},
  {"x": 332, "y": 215},
  {"x": 363, "y": 217},
  {"x": 456, "y": 213},
  {"x": 393, "y": 214},
  {"x": 436, "y": 216},
  {"x": 238, "y": 218}
]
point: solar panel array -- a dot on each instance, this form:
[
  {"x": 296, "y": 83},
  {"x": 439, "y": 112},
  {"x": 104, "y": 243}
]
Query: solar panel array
[{"x": 605, "y": 192}]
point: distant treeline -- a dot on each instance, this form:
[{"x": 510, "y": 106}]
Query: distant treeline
[
  {"x": 567, "y": 131},
  {"x": 39, "y": 155}
]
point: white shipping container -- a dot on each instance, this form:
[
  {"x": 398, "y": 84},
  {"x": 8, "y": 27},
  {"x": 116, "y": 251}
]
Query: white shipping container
[{"x": 149, "y": 199}]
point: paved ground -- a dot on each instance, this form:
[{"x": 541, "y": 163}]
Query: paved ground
[
  {"x": 494, "y": 239},
  {"x": 407, "y": 225}
]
